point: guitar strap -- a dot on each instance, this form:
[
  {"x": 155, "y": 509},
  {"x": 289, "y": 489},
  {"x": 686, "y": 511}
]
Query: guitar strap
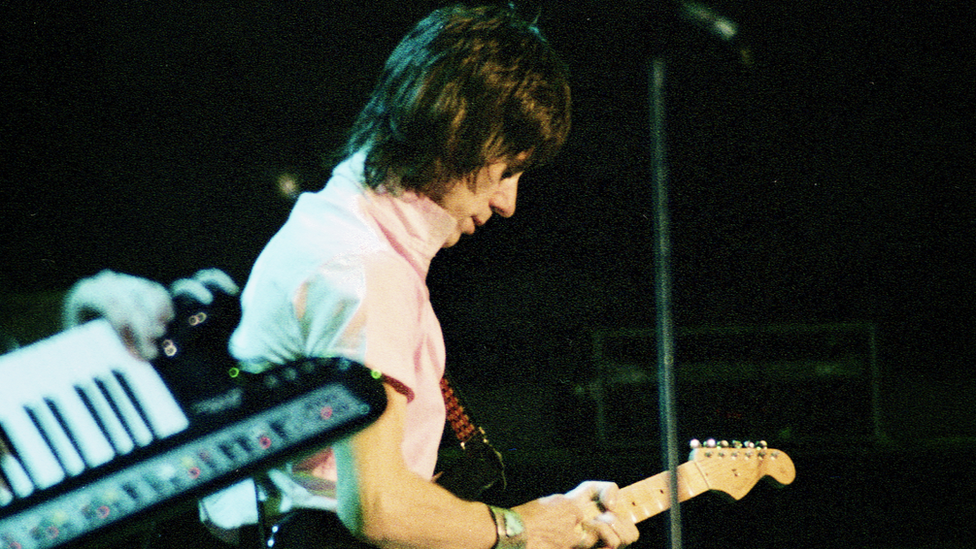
[
  {"x": 479, "y": 466},
  {"x": 457, "y": 416}
]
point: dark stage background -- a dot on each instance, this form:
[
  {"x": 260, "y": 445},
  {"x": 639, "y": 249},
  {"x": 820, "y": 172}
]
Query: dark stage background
[{"x": 821, "y": 178}]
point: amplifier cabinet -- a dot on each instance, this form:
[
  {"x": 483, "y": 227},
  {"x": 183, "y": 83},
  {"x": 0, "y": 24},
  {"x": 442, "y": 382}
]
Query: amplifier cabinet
[{"x": 796, "y": 384}]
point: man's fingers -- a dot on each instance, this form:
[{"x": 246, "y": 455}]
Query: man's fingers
[
  {"x": 603, "y": 494},
  {"x": 607, "y": 495},
  {"x": 605, "y": 530},
  {"x": 217, "y": 278},
  {"x": 192, "y": 289},
  {"x": 137, "y": 308}
]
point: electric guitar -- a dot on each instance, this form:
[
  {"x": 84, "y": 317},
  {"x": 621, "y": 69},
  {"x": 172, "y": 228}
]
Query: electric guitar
[{"x": 731, "y": 469}]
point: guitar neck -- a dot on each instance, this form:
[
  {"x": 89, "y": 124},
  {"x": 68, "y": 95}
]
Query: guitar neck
[
  {"x": 648, "y": 497},
  {"x": 730, "y": 469}
]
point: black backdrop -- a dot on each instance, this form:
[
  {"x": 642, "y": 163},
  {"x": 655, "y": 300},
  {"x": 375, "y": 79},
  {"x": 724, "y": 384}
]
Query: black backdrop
[{"x": 829, "y": 179}]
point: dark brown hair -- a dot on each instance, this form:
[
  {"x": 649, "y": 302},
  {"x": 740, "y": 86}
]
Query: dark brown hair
[{"x": 467, "y": 86}]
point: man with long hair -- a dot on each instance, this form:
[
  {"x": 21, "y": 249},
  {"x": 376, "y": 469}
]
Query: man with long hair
[{"x": 469, "y": 100}]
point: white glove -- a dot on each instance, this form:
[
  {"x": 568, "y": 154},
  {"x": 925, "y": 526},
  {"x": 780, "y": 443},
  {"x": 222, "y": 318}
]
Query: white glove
[{"x": 138, "y": 309}]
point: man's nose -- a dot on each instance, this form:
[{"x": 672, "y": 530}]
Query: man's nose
[{"x": 503, "y": 201}]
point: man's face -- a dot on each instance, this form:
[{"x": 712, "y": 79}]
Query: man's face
[{"x": 496, "y": 186}]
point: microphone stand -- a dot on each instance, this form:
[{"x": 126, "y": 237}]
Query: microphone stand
[
  {"x": 662, "y": 291},
  {"x": 705, "y": 18}
]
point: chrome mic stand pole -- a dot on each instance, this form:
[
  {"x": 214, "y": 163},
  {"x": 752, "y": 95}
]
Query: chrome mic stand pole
[{"x": 662, "y": 287}]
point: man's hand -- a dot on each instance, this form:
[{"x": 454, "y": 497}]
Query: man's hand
[
  {"x": 137, "y": 308},
  {"x": 202, "y": 286},
  {"x": 602, "y": 527},
  {"x": 580, "y": 519}
]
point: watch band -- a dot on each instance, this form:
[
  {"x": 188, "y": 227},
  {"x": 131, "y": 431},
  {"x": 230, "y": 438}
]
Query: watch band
[{"x": 510, "y": 529}]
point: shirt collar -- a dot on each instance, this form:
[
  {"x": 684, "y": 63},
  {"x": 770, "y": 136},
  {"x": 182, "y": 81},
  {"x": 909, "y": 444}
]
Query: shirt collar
[{"x": 416, "y": 226}]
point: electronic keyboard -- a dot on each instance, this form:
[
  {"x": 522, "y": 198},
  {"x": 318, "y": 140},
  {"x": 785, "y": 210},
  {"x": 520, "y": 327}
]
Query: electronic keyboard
[{"x": 92, "y": 439}]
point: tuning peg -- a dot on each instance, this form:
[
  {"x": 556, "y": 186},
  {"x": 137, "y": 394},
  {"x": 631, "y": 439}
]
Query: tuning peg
[
  {"x": 724, "y": 444},
  {"x": 694, "y": 444},
  {"x": 710, "y": 443},
  {"x": 736, "y": 444},
  {"x": 762, "y": 444},
  {"x": 750, "y": 444}
]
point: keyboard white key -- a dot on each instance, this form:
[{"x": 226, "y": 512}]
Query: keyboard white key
[
  {"x": 165, "y": 416},
  {"x": 58, "y": 440},
  {"x": 87, "y": 434},
  {"x": 6, "y": 496},
  {"x": 35, "y": 455},
  {"x": 107, "y": 416},
  {"x": 128, "y": 412},
  {"x": 15, "y": 474}
]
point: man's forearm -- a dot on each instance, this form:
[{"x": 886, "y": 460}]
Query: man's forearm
[{"x": 386, "y": 505}]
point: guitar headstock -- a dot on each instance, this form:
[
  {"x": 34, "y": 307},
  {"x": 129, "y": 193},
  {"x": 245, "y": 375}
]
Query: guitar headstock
[{"x": 735, "y": 468}]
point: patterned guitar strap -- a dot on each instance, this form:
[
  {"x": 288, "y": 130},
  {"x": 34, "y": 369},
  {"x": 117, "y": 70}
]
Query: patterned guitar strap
[{"x": 479, "y": 466}]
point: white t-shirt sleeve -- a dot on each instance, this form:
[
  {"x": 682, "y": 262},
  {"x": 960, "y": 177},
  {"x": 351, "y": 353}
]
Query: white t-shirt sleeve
[{"x": 368, "y": 309}]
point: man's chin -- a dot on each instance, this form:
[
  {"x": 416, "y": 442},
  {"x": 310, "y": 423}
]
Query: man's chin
[{"x": 452, "y": 240}]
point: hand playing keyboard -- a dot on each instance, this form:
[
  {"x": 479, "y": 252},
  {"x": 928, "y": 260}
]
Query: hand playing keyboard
[{"x": 139, "y": 309}]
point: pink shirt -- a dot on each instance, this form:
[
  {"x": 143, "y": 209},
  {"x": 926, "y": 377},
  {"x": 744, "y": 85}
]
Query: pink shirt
[{"x": 346, "y": 276}]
